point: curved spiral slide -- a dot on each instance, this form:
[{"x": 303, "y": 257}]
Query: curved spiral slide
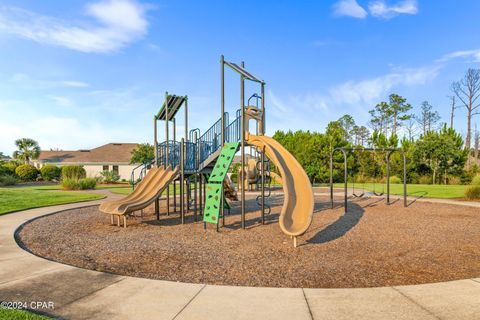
[
  {"x": 297, "y": 211},
  {"x": 147, "y": 191}
]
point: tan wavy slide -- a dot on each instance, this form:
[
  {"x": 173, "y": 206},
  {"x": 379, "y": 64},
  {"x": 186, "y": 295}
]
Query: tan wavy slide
[
  {"x": 147, "y": 191},
  {"x": 297, "y": 211}
]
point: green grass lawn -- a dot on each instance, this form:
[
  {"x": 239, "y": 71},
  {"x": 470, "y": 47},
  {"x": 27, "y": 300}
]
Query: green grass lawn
[
  {"x": 22, "y": 198},
  {"x": 127, "y": 190},
  {"x": 414, "y": 190},
  {"x": 16, "y": 314}
]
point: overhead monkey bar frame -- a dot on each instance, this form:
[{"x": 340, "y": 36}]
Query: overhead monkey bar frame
[
  {"x": 244, "y": 75},
  {"x": 345, "y": 170}
]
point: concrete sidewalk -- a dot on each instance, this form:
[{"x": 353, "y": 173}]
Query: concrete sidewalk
[{"x": 83, "y": 294}]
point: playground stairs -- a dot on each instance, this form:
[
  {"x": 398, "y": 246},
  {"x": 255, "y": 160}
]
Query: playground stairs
[{"x": 215, "y": 182}]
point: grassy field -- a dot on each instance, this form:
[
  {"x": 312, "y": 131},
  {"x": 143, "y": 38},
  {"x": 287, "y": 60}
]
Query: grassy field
[
  {"x": 127, "y": 190},
  {"x": 22, "y": 198},
  {"x": 15, "y": 314},
  {"x": 414, "y": 190}
]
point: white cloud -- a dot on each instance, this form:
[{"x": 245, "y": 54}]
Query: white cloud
[
  {"x": 118, "y": 23},
  {"x": 370, "y": 90},
  {"x": 26, "y": 80},
  {"x": 74, "y": 84},
  {"x": 475, "y": 54},
  {"x": 382, "y": 10},
  {"x": 349, "y": 8},
  {"x": 62, "y": 101}
]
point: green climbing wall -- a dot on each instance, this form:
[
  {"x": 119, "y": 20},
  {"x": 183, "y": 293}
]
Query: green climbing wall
[{"x": 215, "y": 182}]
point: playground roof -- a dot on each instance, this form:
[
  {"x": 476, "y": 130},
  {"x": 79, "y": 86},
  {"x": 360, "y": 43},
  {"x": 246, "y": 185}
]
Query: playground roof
[
  {"x": 242, "y": 71},
  {"x": 173, "y": 103}
]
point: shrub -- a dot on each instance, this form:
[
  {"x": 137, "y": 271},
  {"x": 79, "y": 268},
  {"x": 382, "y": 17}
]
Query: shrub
[
  {"x": 454, "y": 180},
  {"x": 395, "y": 180},
  {"x": 110, "y": 176},
  {"x": 26, "y": 172},
  {"x": 10, "y": 166},
  {"x": 476, "y": 181},
  {"x": 425, "y": 180},
  {"x": 8, "y": 180},
  {"x": 73, "y": 172},
  {"x": 472, "y": 192},
  {"x": 70, "y": 184},
  {"x": 87, "y": 183},
  {"x": 50, "y": 172}
]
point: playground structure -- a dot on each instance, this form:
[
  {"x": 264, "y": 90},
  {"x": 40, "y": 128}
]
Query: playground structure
[
  {"x": 204, "y": 160},
  {"x": 389, "y": 151}
]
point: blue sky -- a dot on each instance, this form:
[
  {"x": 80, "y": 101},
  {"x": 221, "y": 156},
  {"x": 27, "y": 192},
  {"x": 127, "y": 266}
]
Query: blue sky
[{"x": 77, "y": 74}]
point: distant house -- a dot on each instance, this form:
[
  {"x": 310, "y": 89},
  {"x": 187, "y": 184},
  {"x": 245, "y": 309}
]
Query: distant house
[
  {"x": 112, "y": 157},
  {"x": 4, "y": 157}
]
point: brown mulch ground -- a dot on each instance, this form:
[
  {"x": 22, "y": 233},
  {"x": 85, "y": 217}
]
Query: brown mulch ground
[{"x": 372, "y": 245}]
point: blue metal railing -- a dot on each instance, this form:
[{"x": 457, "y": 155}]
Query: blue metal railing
[
  {"x": 210, "y": 141},
  {"x": 232, "y": 131},
  {"x": 143, "y": 171}
]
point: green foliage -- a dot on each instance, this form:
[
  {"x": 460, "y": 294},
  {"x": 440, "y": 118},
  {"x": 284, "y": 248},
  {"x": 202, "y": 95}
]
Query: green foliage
[
  {"x": 425, "y": 180},
  {"x": 472, "y": 192},
  {"x": 70, "y": 184},
  {"x": 395, "y": 180},
  {"x": 10, "y": 166},
  {"x": 143, "y": 153},
  {"x": 27, "y": 149},
  {"x": 74, "y": 172},
  {"x": 81, "y": 184},
  {"x": 50, "y": 172},
  {"x": 440, "y": 154},
  {"x": 8, "y": 180},
  {"x": 26, "y": 172},
  {"x": 109, "y": 176},
  {"x": 87, "y": 183},
  {"x": 476, "y": 181}
]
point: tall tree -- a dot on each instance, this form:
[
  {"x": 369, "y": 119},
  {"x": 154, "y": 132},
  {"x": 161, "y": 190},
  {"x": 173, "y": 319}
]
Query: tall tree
[
  {"x": 399, "y": 108},
  {"x": 467, "y": 90},
  {"x": 348, "y": 123},
  {"x": 411, "y": 127},
  {"x": 143, "y": 153},
  {"x": 28, "y": 149},
  {"x": 453, "y": 106},
  {"x": 428, "y": 118},
  {"x": 475, "y": 145},
  {"x": 381, "y": 117}
]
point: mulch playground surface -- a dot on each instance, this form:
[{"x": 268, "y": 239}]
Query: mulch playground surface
[{"x": 372, "y": 245}]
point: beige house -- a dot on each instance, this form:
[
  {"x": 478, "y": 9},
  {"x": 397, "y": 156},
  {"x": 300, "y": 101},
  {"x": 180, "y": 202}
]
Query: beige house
[{"x": 110, "y": 157}]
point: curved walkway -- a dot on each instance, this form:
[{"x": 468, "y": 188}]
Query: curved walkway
[{"x": 83, "y": 294}]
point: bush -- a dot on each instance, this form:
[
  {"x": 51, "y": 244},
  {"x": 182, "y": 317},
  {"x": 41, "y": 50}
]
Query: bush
[
  {"x": 472, "y": 192},
  {"x": 8, "y": 180},
  {"x": 87, "y": 183},
  {"x": 81, "y": 184},
  {"x": 50, "y": 172},
  {"x": 425, "y": 180},
  {"x": 454, "y": 180},
  {"x": 110, "y": 176},
  {"x": 476, "y": 181},
  {"x": 395, "y": 180},
  {"x": 73, "y": 172},
  {"x": 10, "y": 166},
  {"x": 26, "y": 172},
  {"x": 70, "y": 184}
]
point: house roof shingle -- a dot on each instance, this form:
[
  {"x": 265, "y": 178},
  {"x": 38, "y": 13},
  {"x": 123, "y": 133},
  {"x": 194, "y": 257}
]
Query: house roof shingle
[{"x": 109, "y": 153}]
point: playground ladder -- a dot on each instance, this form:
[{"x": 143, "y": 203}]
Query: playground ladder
[{"x": 215, "y": 182}]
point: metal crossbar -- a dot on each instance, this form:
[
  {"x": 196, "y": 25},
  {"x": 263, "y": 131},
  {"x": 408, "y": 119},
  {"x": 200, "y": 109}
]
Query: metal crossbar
[{"x": 247, "y": 75}]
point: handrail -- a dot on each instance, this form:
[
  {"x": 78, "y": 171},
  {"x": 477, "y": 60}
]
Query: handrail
[
  {"x": 210, "y": 141},
  {"x": 143, "y": 171}
]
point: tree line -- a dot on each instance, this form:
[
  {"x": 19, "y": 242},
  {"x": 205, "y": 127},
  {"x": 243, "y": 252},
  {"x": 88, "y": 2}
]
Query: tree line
[{"x": 436, "y": 152}]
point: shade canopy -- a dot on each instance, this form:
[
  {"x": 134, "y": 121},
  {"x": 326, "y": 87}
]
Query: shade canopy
[{"x": 173, "y": 102}]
